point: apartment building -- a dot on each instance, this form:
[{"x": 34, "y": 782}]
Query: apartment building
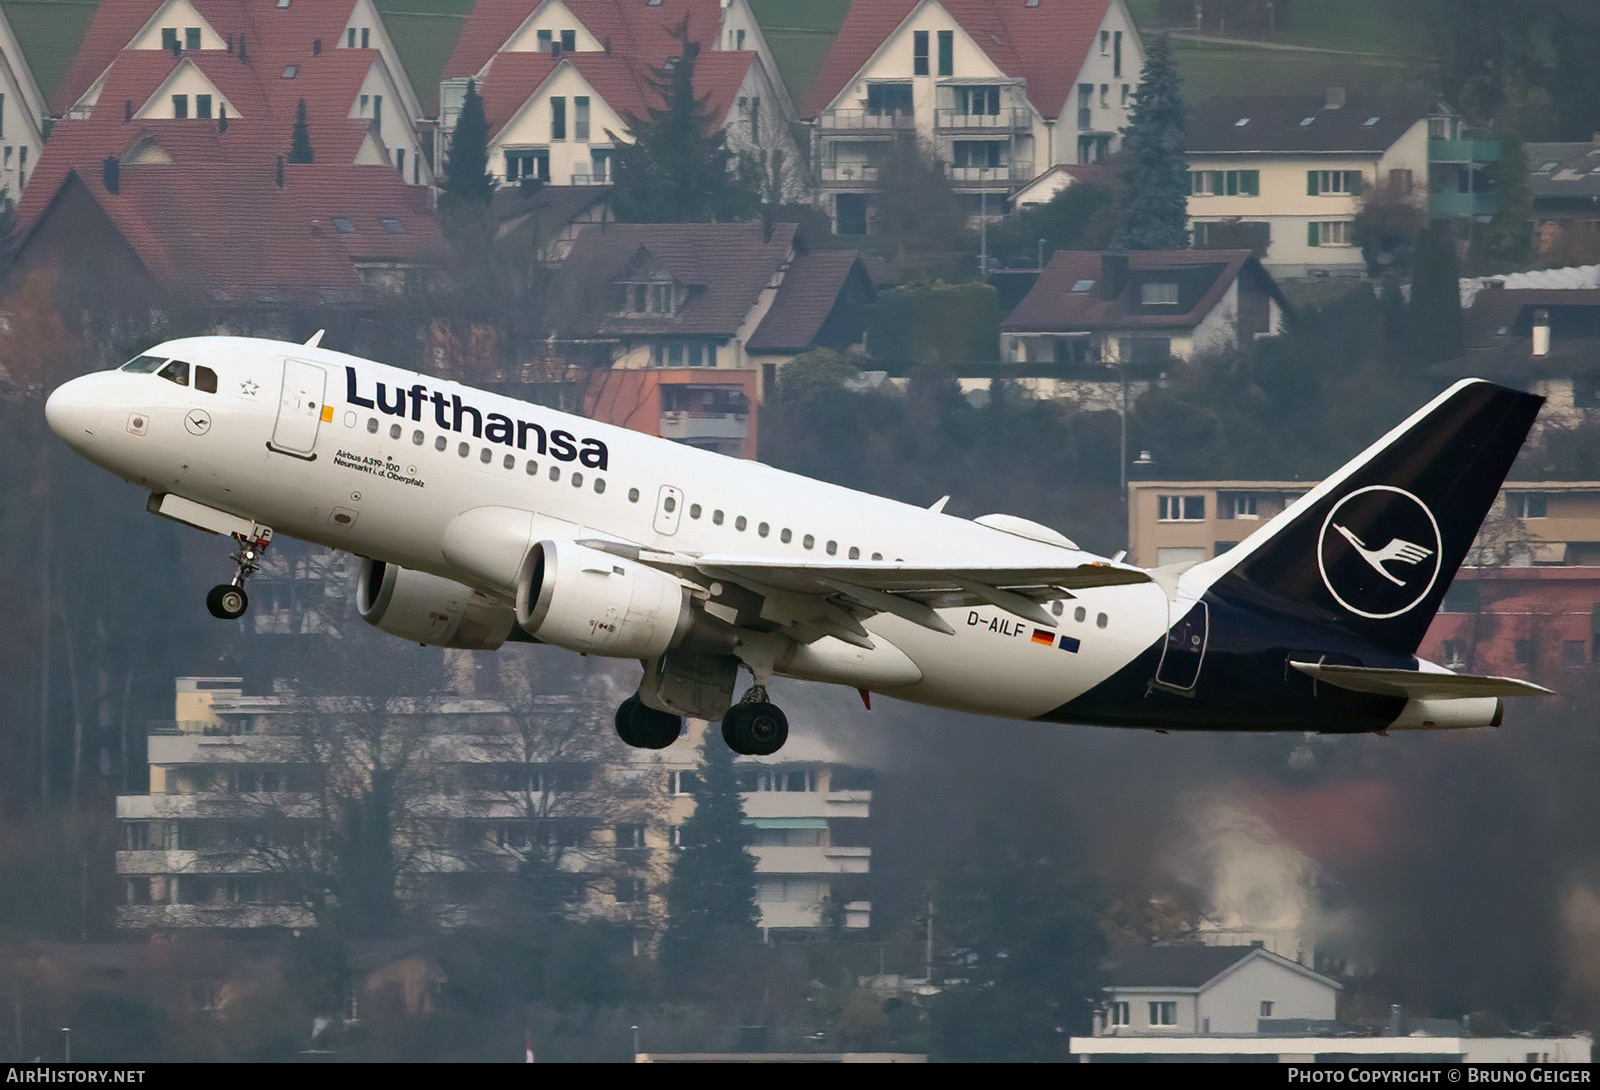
[{"x": 1000, "y": 91}]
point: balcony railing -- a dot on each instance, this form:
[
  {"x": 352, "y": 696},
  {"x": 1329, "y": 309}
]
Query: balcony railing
[
  {"x": 1009, "y": 120},
  {"x": 1003, "y": 174},
  {"x": 863, "y": 120},
  {"x": 849, "y": 175},
  {"x": 681, "y": 424}
]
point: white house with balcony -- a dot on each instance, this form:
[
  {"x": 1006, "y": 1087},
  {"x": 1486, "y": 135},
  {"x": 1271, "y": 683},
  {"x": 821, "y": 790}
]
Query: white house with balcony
[
  {"x": 1000, "y": 91},
  {"x": 1194, "y": 989}
]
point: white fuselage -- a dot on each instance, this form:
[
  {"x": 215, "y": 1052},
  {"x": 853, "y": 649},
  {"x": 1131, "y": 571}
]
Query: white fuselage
[{"x": 378, "y": 461}]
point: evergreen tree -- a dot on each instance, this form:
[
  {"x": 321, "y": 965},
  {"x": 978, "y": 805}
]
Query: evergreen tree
[
  {"x": 1155, "y": 210},
  {"x": 300, "y": 138},
  {"x": 1507, "y": 241},
  {"x": 711, "y": 896},
  {"x": 467, "y": 182},
  {"x": 673, "y": 168}
]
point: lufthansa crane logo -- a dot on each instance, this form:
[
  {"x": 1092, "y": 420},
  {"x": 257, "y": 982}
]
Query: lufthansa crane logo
[{"x": 1379, "y": 552}]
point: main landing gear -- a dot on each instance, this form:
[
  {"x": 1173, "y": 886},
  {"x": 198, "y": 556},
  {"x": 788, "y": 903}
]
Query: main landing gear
[
  {"x": 228, "y": 601},
  {"x": 754, "y": 727}
]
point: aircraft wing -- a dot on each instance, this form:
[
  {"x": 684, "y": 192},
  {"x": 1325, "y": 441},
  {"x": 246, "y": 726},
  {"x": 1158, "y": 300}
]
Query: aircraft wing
[{"x": 851, "y": 589}]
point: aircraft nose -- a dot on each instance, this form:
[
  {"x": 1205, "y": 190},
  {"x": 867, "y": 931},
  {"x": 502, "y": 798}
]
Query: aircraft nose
[{"x": 73, "y": 412}]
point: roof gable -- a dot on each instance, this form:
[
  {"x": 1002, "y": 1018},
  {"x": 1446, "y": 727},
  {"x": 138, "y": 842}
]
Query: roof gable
[
  {"x": 1072, "y": 291},
  {"x": 1299, "y": 123},
  {"x": 636, "y": 28},
  {"x": 1195, "y": 966},
  {"x": 1044, "y": 44}
]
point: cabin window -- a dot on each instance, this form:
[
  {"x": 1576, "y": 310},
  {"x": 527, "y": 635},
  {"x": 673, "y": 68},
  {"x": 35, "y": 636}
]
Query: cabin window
[
  {"x": 372, "y": 425},
  {"x": 486, "y": 456},
  {"x": 205, "y": 379},
  {"x": 740, "y": 523},
  {"x": 716, "y": 518},
  {"x": 670, "y": 504},
  {"x": 440, "y": 443},
  {"x": 144, "y": 364},
  {"x": 855, "y": 553},
  {"x": 694, "y": 510},
  {"x": 1100, "y": 620},
  {"x": 394, "y": 431},
  {"x": 833, "y": 548},
  {"x": 633, "y": 495},
  {"x": 808, "y": 541},
  {"x": 416, "y": 438},
  {"x": 877, "y": 556},
  {"x": 175, "y": 371},
  {"x": 787, "y": 535},
  {"x": 532, "y": 467},
  {"x": 763, "y": 530},
  {"x": 510, "y": 461},
  {"x": 599, "y": 485},
  {"x": 464, "y": 449},
  {"x": 577, "y": 480},
  {"x": 555, "y": 473}
]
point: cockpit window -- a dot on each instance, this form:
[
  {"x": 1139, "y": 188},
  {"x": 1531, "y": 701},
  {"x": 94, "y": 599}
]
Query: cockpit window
[
  {"x": 175, "y": 371},
  {"x": 205, "y": 379},
  {"x": 144, "y": 364}
]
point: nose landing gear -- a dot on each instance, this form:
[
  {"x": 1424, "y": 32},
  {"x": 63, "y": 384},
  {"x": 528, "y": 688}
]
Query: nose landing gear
[{"x": 228, "y": 601}]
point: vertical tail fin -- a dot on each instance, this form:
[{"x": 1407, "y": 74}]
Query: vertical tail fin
[{"x": 1374, "y": 547}]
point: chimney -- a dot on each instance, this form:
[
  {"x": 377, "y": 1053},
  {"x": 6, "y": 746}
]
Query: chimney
[
  {"x": 111, "y": 174},
  {"x": 222, "y": 118},
  {"x": 1113, "y": 273},
  {"x": 127, "y": 110},
  {"x": 230, "y": 43},
  {"x": 1335, "y": 99},
  {"x": 1541, "y": 333},
  {"x": 177, "y": 48},
  {"x": 316, "y": 47},
  {"x": 278, "y": 177}
]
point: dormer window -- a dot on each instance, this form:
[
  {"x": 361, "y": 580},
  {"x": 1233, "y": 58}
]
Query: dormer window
[
  {"x": 655, "y": 298},
  {"x": 1159, "y": 293}
]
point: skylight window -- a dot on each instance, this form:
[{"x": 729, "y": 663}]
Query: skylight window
[
  {"x": 1241, "y": 123},
  {"x": 1307, "y": 120},
  {"x": 1369, "y": 122},
  {"x": 291, "y": 71},
  {"x": 1083, "y": 285},
  {"x": 343, "y": 226},
  {"x": 392, "y": 226}
]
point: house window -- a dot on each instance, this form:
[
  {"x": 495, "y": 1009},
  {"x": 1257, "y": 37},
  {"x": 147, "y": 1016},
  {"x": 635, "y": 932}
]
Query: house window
[
  {"x": 1164, "y": 1014},
  {"x": 180, "y": 106},
  {"x": 919, "y": 53},
  {"x": 580, "y": 118},
  {"x": 1236, "y": 505},
  {"x": 1455, "y": 652},
  {"x": 1116, "y": 54},
  {"x": 532, "y": 163},
  {"x": 1159, "y": 293},
  {"x": 558, "y": 118},
  {"x": 979, "y": 101},
  {"x": 1181, "y": 508},
  {"x": 947, "y": 52},
  {"x": 683, "y": 354},
  {"x": 888, "y": 98},
  {"x": 1117, "y": 1014},
  {"x": 630, "y": 891},
  {"x": 169, "y": 38},
  {"x": 1329, "y": 233},
  {"x": 600, "y": 169},
  {"x": 651, "y": 297},
  {"x": 1320, "y": 183},
  {"x": 569, "y": 41},
  {"x": 1225, "y": 183},
  {"x": 202, "y": 105},
  {"x": 1462, "y": 597},
  {"x": 1574, "y": 652},
  {"x": 1266, "y": 1008},
  {"x": 546, "y": 41},
  {"x": 1526, "y": 505},
  {"x": 191, "y": 37},
  {"x": 630, "y": 836},
  {"x": 1526, "y": 652},
  {"x": 1105, "y": 43},
  {"x": 978, "y": 153}
]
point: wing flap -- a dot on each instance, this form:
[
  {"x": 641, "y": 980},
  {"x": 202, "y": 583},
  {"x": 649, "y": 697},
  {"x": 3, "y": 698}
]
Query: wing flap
[{"x": 1416, "y": 685}]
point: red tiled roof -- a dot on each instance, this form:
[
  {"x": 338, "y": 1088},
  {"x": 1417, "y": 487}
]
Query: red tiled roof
[
  {"x": 806, "y": 297},
  {"x": 622, "y": 82},
  {"x": 1046, "y": 44},
  {"x": 228, "y": 233},
  {"x": 725, "y": 265},
  {"x": 634, "y": 28},
  {"x": 1070, "y": 295}
]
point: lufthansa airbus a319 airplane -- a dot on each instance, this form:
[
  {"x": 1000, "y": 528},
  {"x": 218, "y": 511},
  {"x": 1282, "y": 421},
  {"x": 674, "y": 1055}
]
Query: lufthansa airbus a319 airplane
[{"x": 484, "y": 519}]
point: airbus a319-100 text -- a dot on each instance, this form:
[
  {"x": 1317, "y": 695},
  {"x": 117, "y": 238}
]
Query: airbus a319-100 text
[{"x": 484, "y": 519}]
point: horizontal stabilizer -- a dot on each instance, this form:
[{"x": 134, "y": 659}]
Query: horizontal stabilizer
[{"x": 1416, "y": 685}]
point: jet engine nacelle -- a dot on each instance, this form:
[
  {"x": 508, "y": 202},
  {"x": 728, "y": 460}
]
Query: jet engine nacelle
[
  {"x": 585, "y": 600},
  {"x": 426, "y": 609}
]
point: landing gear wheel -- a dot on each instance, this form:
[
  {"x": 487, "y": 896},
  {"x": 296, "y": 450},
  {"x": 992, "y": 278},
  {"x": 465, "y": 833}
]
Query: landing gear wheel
[
  {"x": 755, "y": 729},
  {"x": 227, "y": 602},
  {"x": 642, "y": 727}
]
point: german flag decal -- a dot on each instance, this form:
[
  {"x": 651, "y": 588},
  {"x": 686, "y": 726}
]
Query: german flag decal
[{"x": 1044, "y": 636}]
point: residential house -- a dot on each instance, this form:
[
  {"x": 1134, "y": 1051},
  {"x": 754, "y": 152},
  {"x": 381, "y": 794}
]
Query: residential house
[
  {"x": 1565, "y": 183},
  {"x": 560, "y": 80},
  {"x": 1539, "y": 331},
  {"x": 1292, "y": 172},
  {"x": 1000, "y": 91},
  {"x": 252, "y": 62},
  {"x": 684, "y": 326},
  {"x": 1106, "y": 317},
  {"x": 22, "y": 115},
  {"x": 1193, "y": 988}
]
